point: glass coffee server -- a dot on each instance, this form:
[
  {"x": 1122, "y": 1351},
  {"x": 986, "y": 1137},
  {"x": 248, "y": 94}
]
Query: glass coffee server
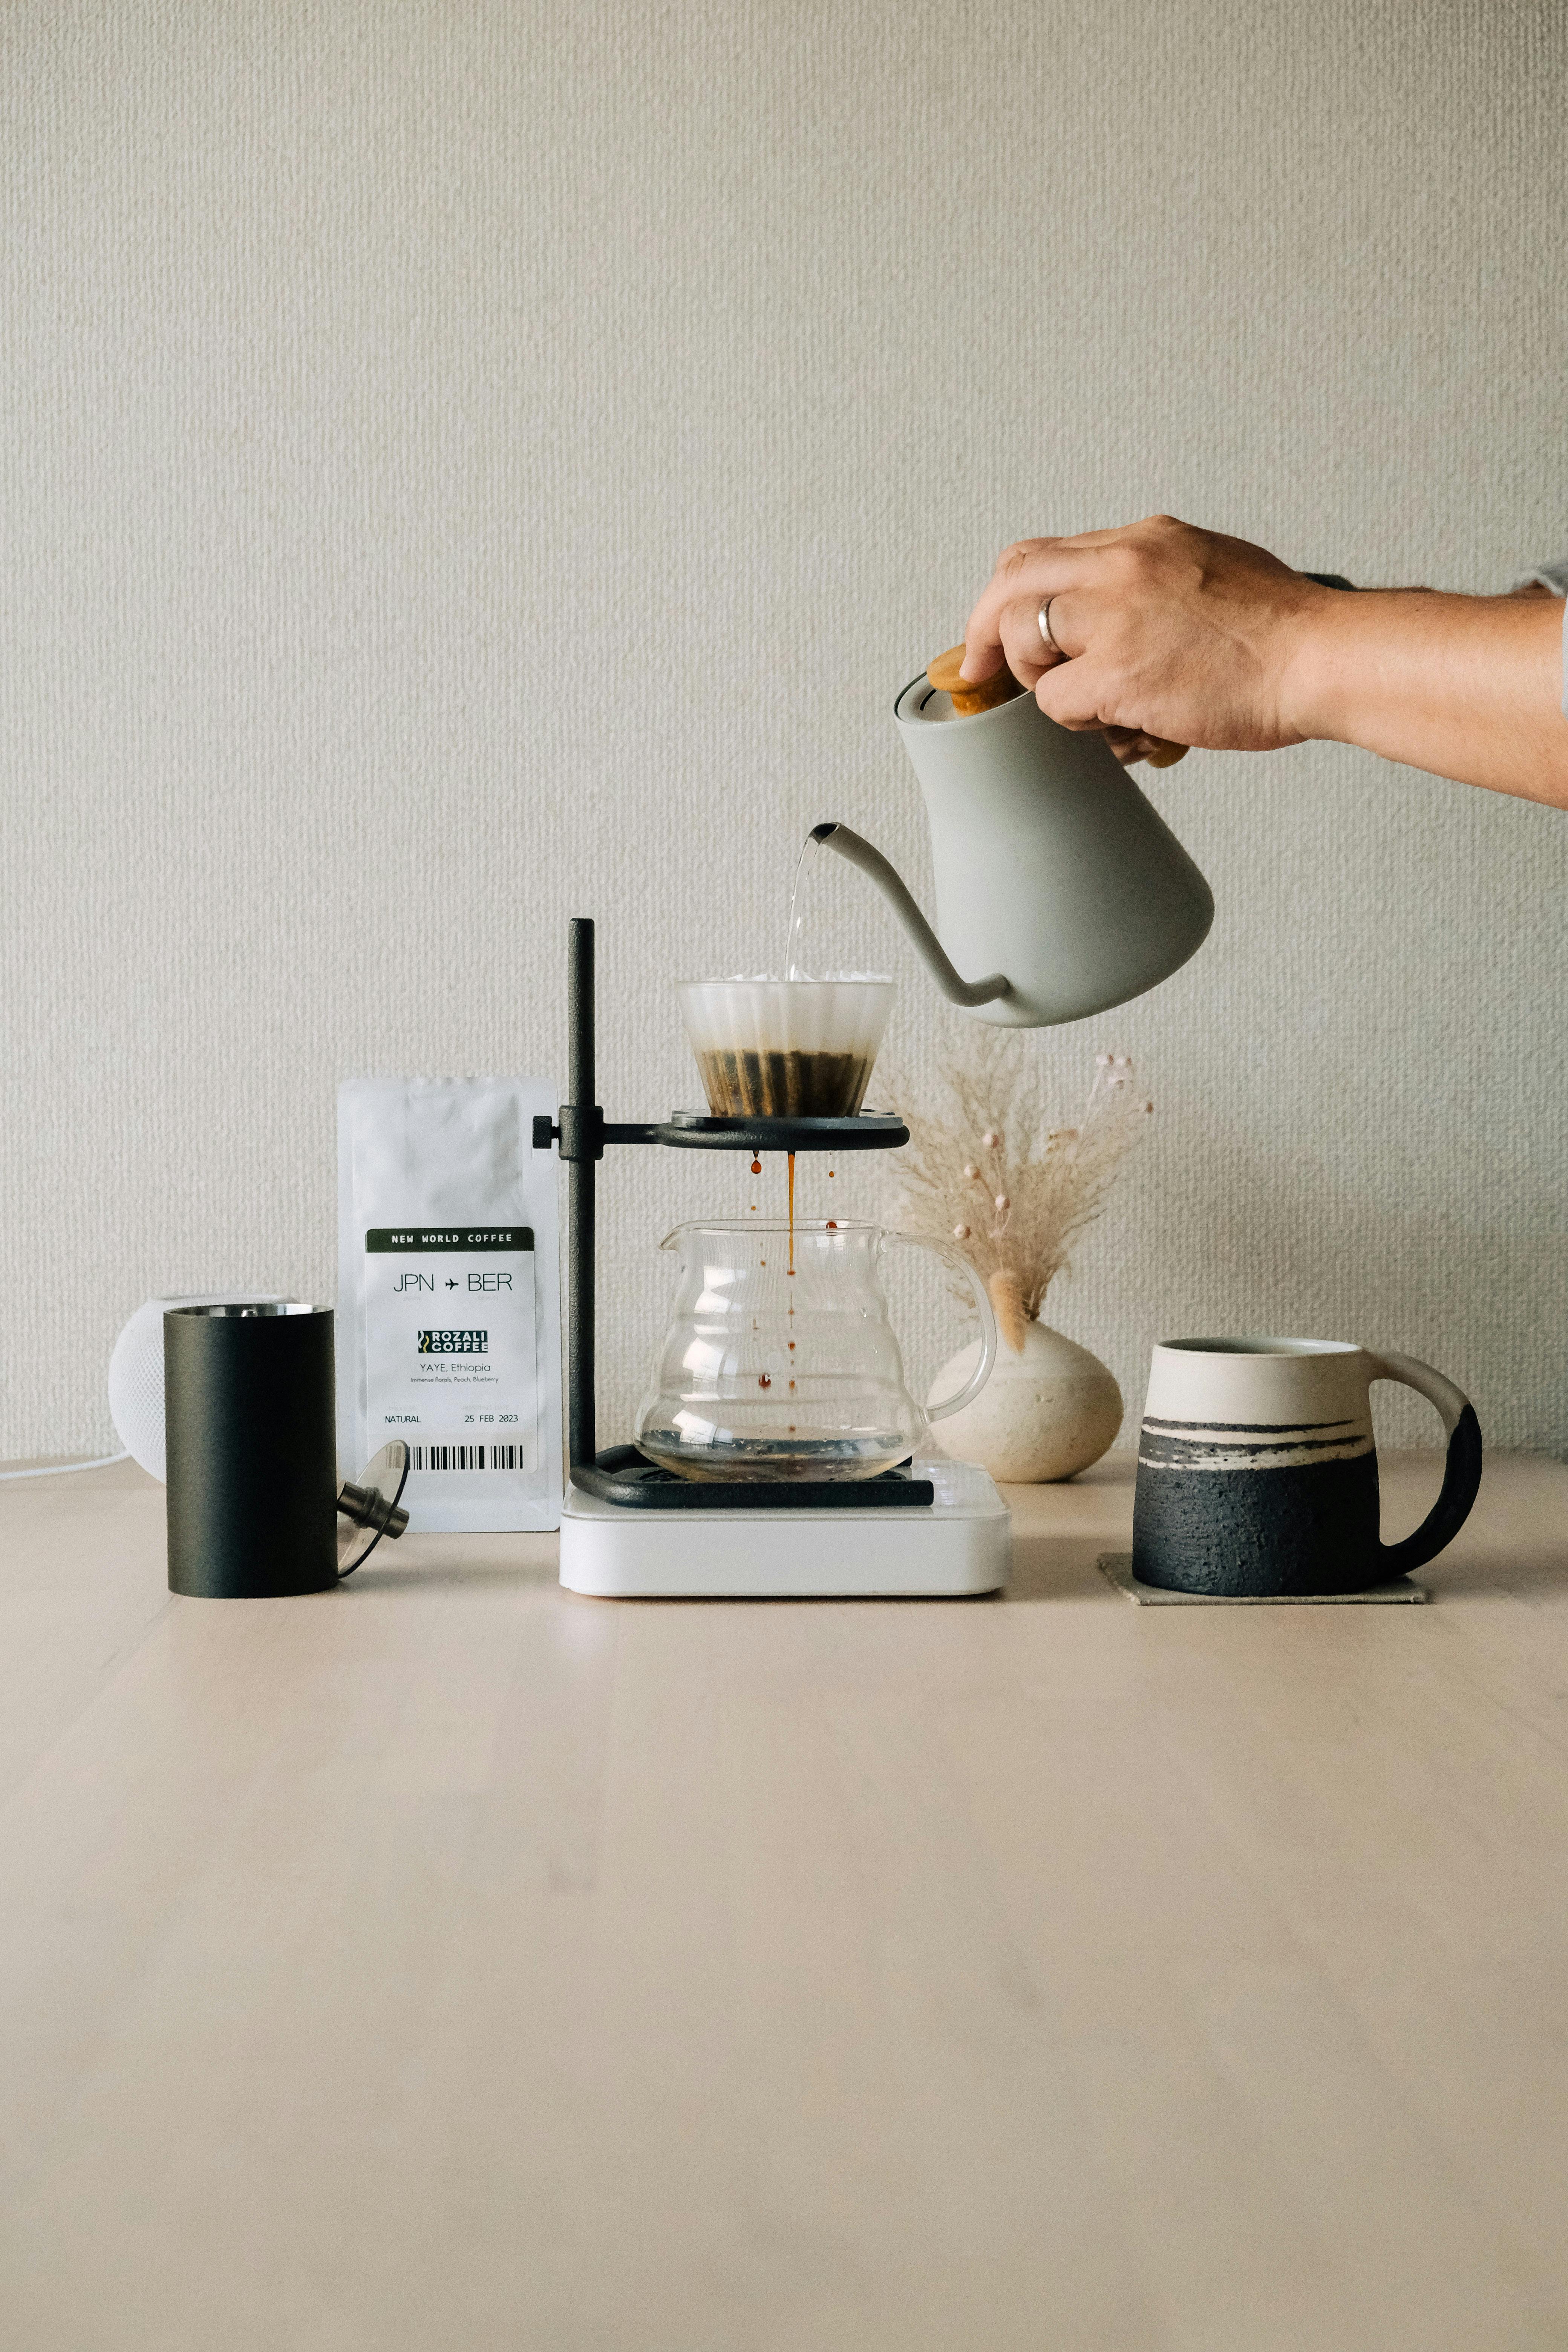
[
  {"x": 735, "y": 1487},
  {"x": 780, "y": 1362}
]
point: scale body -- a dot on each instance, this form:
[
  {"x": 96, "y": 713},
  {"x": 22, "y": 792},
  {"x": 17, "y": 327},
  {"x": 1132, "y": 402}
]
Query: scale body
[
  {"x": 632, "y": 1531},
  {"x": 955, "y": 1547}
]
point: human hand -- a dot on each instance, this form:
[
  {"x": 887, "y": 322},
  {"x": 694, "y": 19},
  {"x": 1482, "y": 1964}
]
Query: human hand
[
  {"x": 1129, "y": 745},
  {"x": 1162, "y": 633}
]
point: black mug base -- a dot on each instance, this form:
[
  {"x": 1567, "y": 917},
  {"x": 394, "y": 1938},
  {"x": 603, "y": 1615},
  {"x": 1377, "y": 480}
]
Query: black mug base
[
  {"x": 1225, "y": 1579},
  {"x": 1302, "y": 1529}
]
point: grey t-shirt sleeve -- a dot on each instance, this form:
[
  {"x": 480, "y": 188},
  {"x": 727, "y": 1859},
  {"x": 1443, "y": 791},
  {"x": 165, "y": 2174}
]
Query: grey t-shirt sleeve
[
  {"x": 1547, "y": 576},
  {"x": 1554, "y": 576}
]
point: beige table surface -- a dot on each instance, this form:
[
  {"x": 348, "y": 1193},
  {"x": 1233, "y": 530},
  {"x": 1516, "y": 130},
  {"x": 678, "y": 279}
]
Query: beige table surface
[{"x": 448, "y": 1961}]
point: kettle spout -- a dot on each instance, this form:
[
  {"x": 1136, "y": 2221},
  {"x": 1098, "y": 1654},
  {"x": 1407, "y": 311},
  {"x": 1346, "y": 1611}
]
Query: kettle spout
[{"x": 927, "y": 946}]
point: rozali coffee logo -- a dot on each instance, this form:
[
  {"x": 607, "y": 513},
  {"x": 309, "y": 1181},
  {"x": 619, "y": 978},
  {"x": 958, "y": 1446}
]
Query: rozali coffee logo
[{"x": 454, "y": 1343}]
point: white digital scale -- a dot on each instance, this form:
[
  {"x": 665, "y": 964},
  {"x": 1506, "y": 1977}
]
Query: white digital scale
[
  {"x": 632, "y": 1531},
  {"x": 956, "y": 1546}
]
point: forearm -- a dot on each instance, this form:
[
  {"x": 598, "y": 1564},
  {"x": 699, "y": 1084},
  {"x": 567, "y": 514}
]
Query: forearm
[{"x": 1466, "y": 686}]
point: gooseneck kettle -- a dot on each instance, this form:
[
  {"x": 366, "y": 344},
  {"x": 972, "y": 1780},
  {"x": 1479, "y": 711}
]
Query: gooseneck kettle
[{"x": 1060, "y": 891}]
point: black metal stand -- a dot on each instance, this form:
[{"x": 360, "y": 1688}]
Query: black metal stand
[{"x": 621, "y": 1475}]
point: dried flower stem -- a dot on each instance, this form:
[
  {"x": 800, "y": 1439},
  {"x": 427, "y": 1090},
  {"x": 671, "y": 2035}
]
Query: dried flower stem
[
  {"x": 1007, "y": 1300},
  {"x": 989, "y": 1178}
]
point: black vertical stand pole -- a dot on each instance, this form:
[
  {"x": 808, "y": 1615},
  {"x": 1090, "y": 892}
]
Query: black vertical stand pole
[{"x": 579, "y": 1148}]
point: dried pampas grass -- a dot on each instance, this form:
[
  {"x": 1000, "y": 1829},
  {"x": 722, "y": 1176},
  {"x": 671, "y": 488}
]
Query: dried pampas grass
[{"x": 985, "y": 1176}]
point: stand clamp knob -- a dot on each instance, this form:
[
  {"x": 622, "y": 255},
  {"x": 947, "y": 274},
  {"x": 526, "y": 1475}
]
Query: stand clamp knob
[{"x": 581, "y": 1132}]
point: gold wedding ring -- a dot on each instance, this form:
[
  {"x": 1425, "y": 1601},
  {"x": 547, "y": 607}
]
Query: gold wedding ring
[{"x": 1044, "y": 618}]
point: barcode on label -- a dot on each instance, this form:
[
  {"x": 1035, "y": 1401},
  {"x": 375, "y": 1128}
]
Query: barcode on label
[{"x": 466, "y": 1457}]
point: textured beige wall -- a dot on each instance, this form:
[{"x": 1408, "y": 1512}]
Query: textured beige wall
[{"x": 467, "y": 465}]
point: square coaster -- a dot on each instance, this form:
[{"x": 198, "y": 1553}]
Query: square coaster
[{"x": 1116, "y": 1566}]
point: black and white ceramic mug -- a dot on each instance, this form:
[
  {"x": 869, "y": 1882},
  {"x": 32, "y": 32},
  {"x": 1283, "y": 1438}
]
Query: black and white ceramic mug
[{"x": 1258, "y": 1475}]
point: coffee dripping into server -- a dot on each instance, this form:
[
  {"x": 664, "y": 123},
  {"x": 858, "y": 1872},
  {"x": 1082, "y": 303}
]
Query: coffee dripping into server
[{"x": 1062, "y": 887}]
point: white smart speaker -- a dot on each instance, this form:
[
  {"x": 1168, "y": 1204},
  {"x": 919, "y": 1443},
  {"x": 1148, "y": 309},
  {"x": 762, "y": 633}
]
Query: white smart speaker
[{"x": 136, "y": 1370}]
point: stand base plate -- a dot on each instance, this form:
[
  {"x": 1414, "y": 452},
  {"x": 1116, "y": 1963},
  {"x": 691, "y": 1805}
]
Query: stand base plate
[{"x": 960, "y": 1545}]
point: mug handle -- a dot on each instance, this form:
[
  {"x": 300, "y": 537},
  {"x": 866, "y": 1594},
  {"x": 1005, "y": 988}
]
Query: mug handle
[
  {"x": 1461, "y": 1471},
  {"x": 981, "y": 1372}
]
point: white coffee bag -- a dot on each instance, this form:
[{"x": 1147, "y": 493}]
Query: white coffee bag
[{"x": 449, "y": 1329}]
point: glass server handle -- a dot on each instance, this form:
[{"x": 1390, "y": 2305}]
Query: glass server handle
[{"x": 981, "y": 1372}]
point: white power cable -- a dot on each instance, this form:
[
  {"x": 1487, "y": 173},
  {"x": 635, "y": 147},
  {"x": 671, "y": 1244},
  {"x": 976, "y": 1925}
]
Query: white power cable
[{"x": 57, "y": 1469}]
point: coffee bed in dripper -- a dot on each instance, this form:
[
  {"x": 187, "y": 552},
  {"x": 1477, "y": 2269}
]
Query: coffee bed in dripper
[
  {"x": 757, "y": 1083},
  {"x": 785, "y": 1048}
]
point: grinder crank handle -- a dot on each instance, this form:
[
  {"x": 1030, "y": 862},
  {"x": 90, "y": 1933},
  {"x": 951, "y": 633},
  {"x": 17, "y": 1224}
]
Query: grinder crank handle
[{"x": 927, "y": 946}]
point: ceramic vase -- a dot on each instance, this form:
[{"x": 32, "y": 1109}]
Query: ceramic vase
[{"x": 1048, "y": 1409}]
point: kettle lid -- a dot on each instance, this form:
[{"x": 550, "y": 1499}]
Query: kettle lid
[{"x": 965, "y": 699}]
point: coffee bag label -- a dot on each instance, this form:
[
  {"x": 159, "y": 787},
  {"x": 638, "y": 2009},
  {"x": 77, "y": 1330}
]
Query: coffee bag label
[{"x": 449, "y": 1347}]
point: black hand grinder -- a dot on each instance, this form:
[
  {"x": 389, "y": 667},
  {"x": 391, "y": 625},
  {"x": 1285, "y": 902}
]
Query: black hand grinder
[{"x": 256, "y": 1507}]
